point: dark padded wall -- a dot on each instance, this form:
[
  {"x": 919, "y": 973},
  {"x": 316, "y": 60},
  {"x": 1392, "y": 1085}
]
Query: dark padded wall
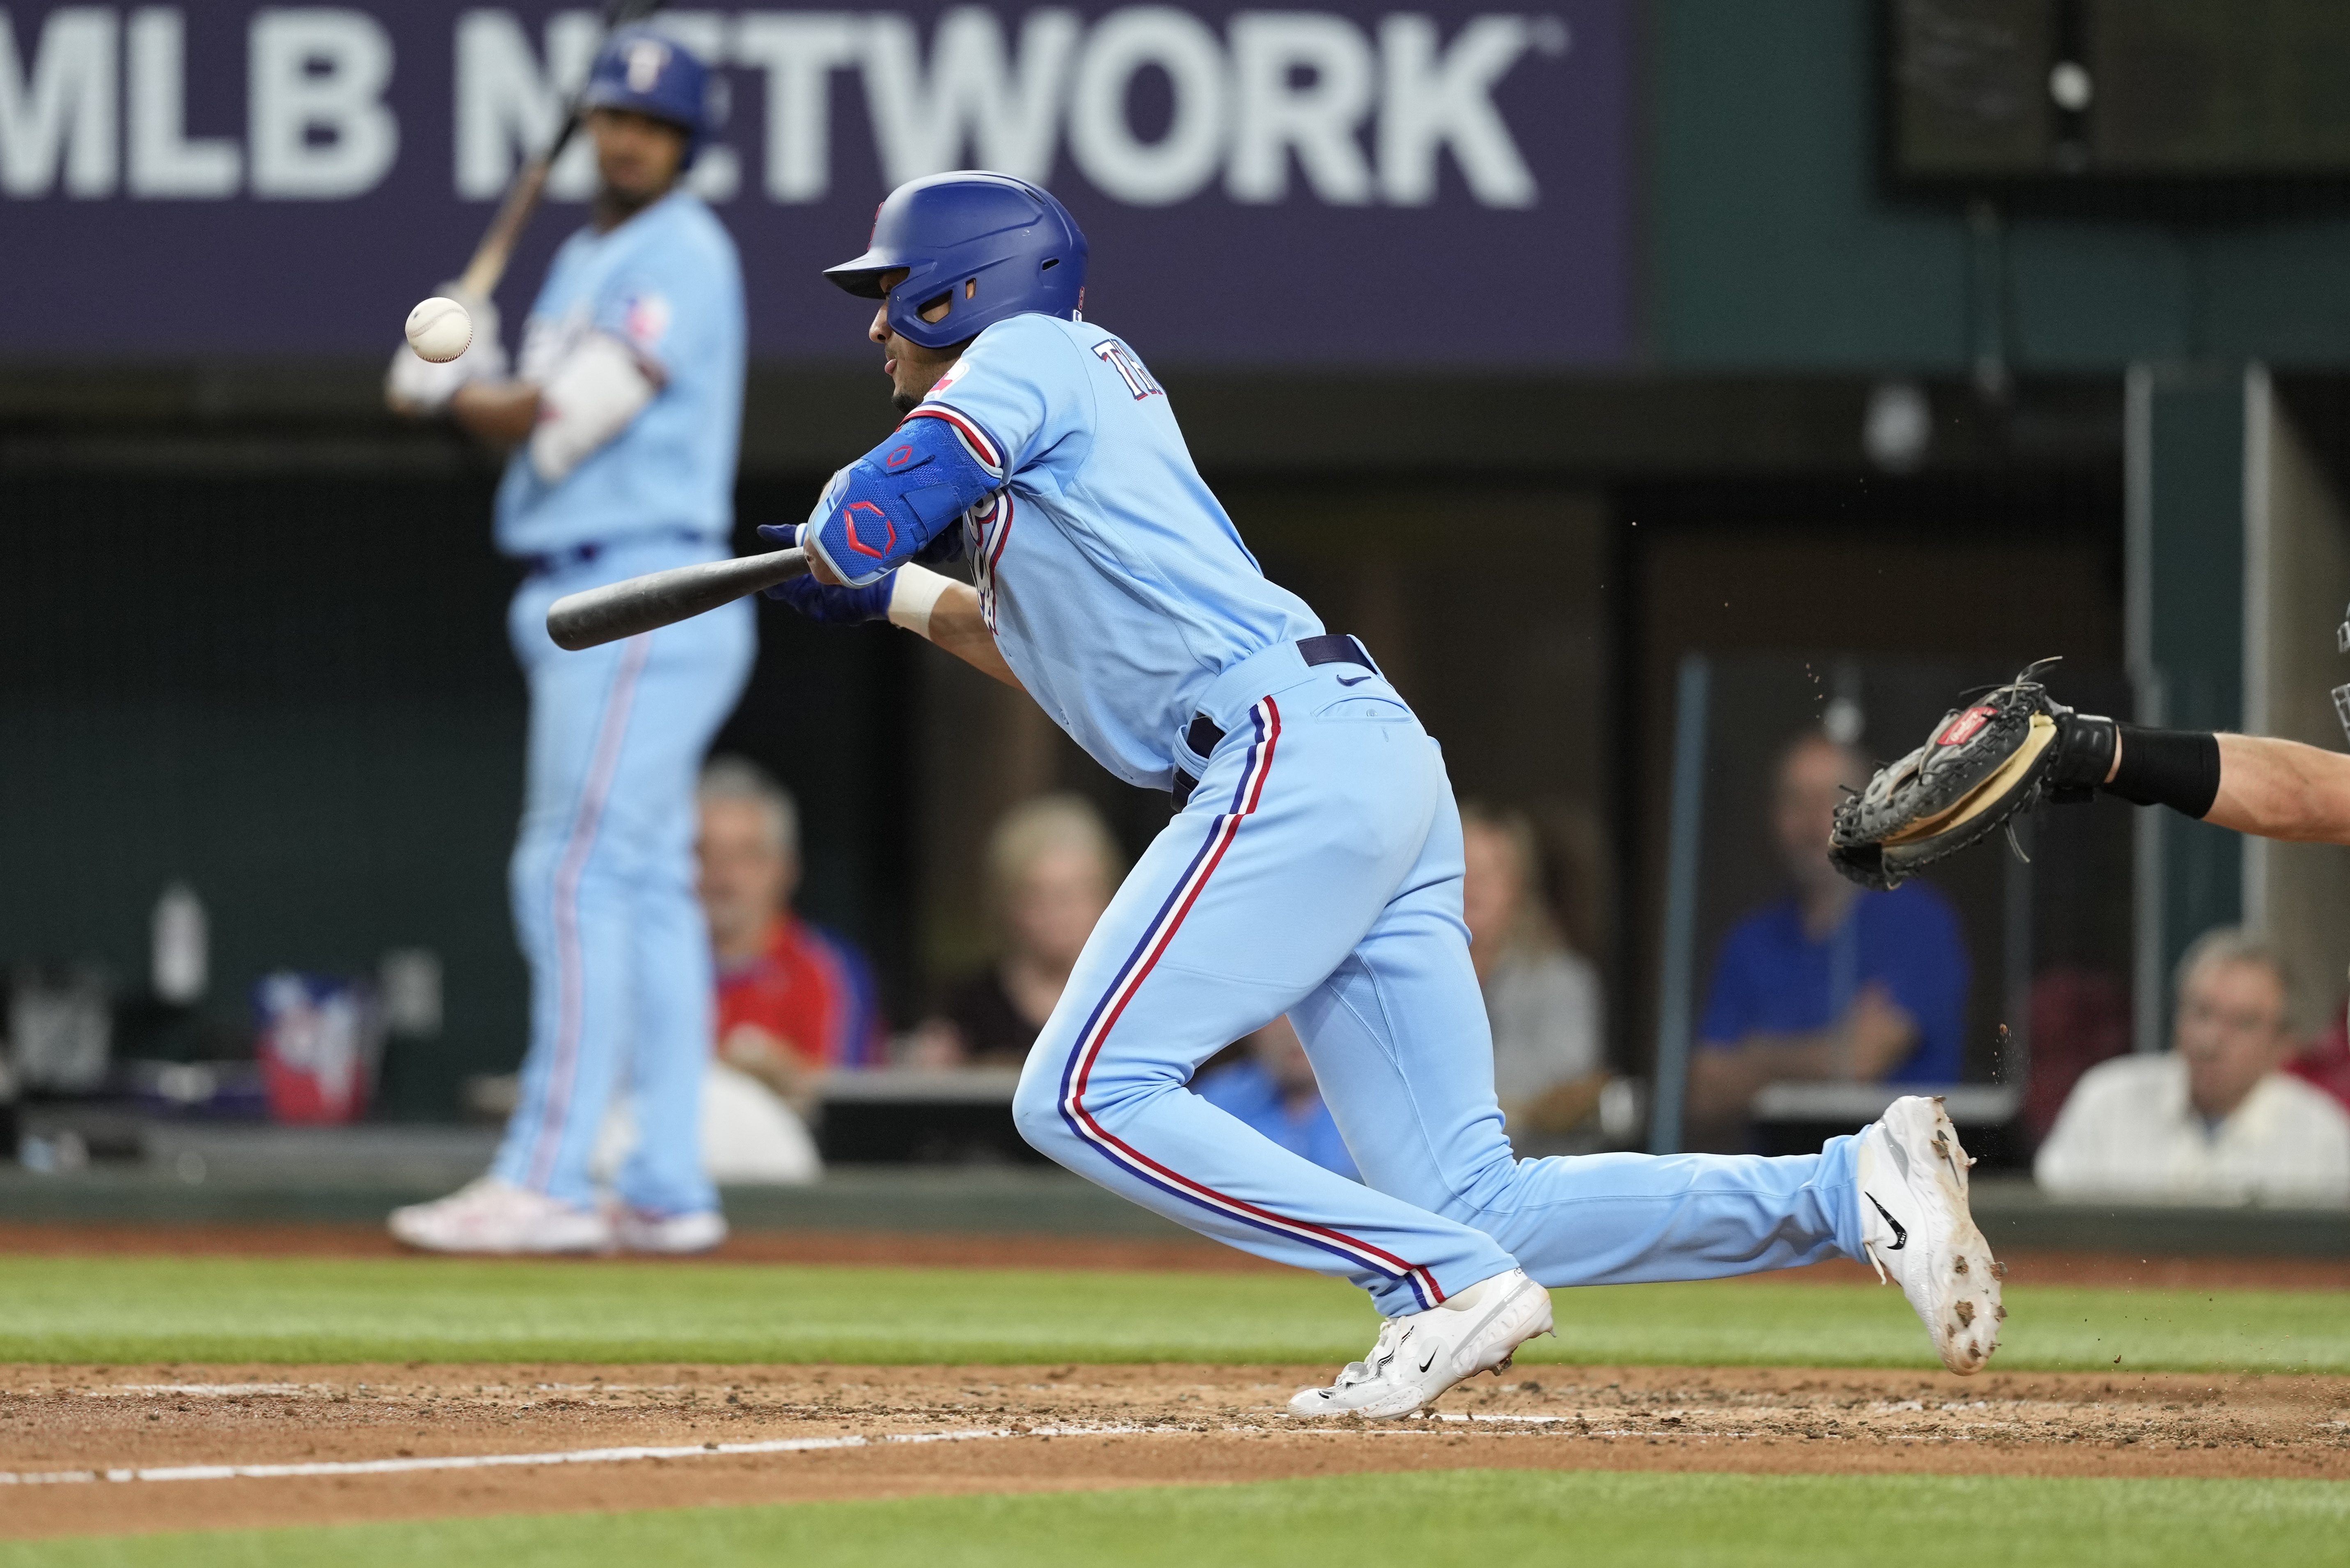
[{"x": 294, "y": 691}]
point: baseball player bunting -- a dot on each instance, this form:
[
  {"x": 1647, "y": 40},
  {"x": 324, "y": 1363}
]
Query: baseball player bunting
[{"x": 1314, "y": 869}]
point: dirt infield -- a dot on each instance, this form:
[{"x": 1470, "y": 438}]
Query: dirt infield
[
  {"x": 1044, "y": 1251},
  {"x": 835, "y": 1432}
]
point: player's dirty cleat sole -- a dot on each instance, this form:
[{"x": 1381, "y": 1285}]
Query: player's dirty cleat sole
[
  {"x": 1419, "y": 1356},
  {"x": 493, "y": 1216},
  {"x": 1916, "y": 1228}
]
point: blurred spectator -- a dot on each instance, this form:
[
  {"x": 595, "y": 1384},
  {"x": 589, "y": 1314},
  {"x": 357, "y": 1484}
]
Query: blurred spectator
[
  {"x": 1543, "y": 1000},
  {"x": 794, "y": 1000},
  {"x": 1272, "y": 1088},
  {"x": 750, "y": 1138},
  {"x": 2079, "y": 1018},
  {"x": 1830, "y": 982},
  {"x": 2213, "y": 1119},
  {"x": 1051, "y": 867}
]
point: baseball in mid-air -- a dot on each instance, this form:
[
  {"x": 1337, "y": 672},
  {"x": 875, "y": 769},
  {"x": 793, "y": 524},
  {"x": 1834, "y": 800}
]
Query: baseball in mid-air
[{"x": 438, "y": 330}]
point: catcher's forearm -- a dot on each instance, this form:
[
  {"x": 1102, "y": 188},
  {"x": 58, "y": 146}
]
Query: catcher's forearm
[
  {"x": 2281, "y": 789},
  {"x": 2248, "y": 783}
]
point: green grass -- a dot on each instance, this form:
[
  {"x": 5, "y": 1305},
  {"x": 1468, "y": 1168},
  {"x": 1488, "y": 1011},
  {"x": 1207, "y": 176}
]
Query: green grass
[
  {"x": 1471, "y": 1517},
  {"x": 111, "y": 1310}
]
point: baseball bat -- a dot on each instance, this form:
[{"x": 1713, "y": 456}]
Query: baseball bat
[
  {"x": 480, "y": 278},
  {"x": 663, "y": 598}
]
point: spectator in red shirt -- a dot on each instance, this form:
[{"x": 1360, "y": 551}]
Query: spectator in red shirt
[
  {"x": 2326, "y": 1061},
  {"x": 794, "y": 1001}
]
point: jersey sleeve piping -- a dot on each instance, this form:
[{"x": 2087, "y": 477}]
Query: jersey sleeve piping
[{"x": 983, "y": 450}]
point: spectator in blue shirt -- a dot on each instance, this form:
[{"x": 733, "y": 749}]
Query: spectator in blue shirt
[
  {"x": 1272, "y": 1088},
  {"x": 1829, "y": 982}
]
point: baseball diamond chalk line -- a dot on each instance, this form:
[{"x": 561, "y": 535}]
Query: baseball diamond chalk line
[{"x": 709, "y": 1450}]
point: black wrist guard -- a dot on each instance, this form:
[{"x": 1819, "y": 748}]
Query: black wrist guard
[
  {"x": 2177, "y": 768},
  {"x": 2085, "y": 755}
]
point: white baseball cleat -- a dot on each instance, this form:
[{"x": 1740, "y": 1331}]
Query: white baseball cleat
[
  {"x": 494, "y": 1216},
  {"x": 1422, "y": 1355},
  {"x": 639, "y": 1231},
  {"x": 1915, "y": 1227}
]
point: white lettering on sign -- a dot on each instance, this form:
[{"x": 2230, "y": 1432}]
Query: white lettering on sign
[
  {"x": 510, "y": 99},
  {"x": 1429, "y": 100},
  {"x": 1102, "y": 139},
  {"x": 798, "y": 50},
  {"x": 1358, "y": 114},
  {"x": 62, "y": 111},
  {"x": 1272, "y": 114},
  {"x": 508, "y": 107},
  {"x": 974, "y": 96},
  {"x": 314, "y": 83},
  {"x": 164, "y": 161}
]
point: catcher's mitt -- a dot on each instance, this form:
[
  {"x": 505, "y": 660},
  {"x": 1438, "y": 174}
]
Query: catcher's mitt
[{"x": 1986, "y": 762}]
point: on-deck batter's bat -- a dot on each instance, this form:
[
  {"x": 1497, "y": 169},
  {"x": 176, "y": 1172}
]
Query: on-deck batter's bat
[
  {"x": 480, "y": 278},
  {"x": 663, "y": 598}
]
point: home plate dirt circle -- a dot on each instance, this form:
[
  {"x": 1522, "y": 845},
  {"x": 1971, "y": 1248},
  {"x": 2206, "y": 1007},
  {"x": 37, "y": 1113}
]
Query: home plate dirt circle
[{"x": 159, "y": 1447}]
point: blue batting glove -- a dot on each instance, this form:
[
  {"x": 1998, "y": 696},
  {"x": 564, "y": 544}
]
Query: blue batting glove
[{"x": 817, "y": 601}]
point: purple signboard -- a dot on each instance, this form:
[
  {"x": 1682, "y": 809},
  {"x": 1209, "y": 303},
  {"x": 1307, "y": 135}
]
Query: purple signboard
[{"x": 1345, "y": 185}]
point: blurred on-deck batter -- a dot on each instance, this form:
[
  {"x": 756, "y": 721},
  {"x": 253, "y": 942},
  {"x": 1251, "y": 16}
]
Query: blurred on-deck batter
[{"x": 623, "y": 418}]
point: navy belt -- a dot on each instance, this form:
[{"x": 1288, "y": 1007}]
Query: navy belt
[
  {"x": 1205, "y": 734},
  {"x": 585, "y": 555}
]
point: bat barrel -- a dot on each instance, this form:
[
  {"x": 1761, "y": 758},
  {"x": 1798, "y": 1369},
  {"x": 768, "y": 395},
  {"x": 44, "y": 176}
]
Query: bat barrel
[{"x": 636, "y": 605}]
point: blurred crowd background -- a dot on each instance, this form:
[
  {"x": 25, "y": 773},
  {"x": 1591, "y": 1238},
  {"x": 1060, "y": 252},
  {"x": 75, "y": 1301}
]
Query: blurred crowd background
[{"x": 1788, "y": 369}]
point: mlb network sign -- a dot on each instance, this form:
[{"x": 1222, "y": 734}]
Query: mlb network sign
[{"x": 1354, "y": 184}]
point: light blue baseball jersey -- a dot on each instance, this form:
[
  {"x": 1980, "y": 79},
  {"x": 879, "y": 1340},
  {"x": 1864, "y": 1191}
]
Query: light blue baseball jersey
[
  {"x": 667, "y": 282},
  {"x": 1116, "y": 585}
]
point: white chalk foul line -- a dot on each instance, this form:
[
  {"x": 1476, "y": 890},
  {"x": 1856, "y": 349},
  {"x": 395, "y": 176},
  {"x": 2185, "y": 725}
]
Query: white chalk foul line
[
  {"x": 478, "y": 1461},
  {"x": 200, "y": 1390},
  {"x": 711, "y": 1450},
  {"x": 563, "y": 1457}
]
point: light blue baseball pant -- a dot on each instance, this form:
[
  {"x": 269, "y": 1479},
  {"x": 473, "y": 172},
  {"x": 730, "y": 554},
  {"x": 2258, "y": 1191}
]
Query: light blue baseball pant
[
  {"x": 603, "y": 886},
  {"x": 1317, "y": 871}
]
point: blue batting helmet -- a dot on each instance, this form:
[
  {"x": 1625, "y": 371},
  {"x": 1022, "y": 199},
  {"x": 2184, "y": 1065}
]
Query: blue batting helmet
[
  {"x": 987, "y": 245},
  {"x": 656, "y": 76}
]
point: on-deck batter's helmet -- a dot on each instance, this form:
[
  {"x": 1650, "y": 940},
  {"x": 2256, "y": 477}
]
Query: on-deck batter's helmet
[
  {"x": 656, "y": 76},
  {"x": 989, "y": 245}
]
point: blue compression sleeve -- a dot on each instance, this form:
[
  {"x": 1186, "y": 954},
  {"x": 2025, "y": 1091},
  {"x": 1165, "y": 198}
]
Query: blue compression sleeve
[{"x": 904, "y": 493}]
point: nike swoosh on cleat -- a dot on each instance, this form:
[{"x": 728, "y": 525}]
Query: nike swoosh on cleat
[
  {"x": 1429, "y": 1363},
  {"x": 1357, "y": 681},
  {"x": 1900, "y": 1232}
]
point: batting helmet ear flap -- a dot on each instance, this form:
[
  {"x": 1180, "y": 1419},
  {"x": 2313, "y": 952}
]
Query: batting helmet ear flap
[{"x": 946, "y": 302}]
